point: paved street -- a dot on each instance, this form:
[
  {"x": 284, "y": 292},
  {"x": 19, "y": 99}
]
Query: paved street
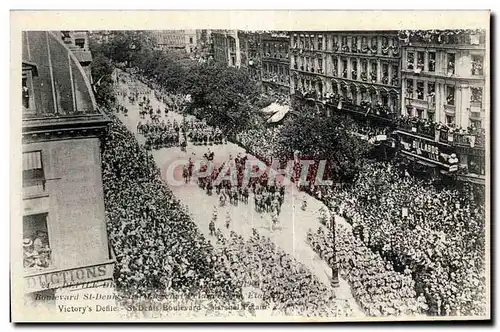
[{"x": 294, "y": 222}]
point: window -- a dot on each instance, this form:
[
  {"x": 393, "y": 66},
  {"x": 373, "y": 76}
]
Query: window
[
  {"x": 33, "y": 173},
  {"x": 373, "y": 72},
  {"x": 335, "y": 65},
  {"x": 451, "y": 63},
  {"x": 450, "y": 95},
  {"x": 374, "y": 43},
  {"x": 344, "y": 40},
  {"x": 320, "y": 43},
  {"x": 190, "y": 40},
  {"x": 302, "y": 41},
  {"x": 420, "y": 60},
  {"x": 385, "y": 100},
  {"x": 431, "y": 93},
  {"x": 354, "y": 73},
  {"x": 450, "y": 119},
  {"x": 233, "y": 60},
  {"x": 430, "y": 116},
  {"x": 432, "y": 61},
  {"x": 476, "y": 96},
  {"x": 26, "y": 93},
  {"x": 385, "y": 42},
  {"x": 476, "y": 165},
  {"x": 395, "y": 71},
  {"x": 477, "y": 65},
  {"x": 36, "y": 246},
  {"x": 80, "y": 42},
  {"x": 420, "y": 113},
  {"x": 385, "y": 73},
  {"x": 320, "y": 66},
  {"x": 409, "y": 88},
  {"x": 28, "y": 99},
  {"x": 307, "y": 43},
  {"x": 420, "y": 90},
  {"x": 410, "y": 60},
  {"x": 344, "y": 68},
  {"x": 354, "y": 44}
]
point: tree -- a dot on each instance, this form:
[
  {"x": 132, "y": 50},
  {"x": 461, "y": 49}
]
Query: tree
[
  {"x": 223, "y": 96},
  {"x": 102, "y": 71},
  {"x": 323, "y": 138}
]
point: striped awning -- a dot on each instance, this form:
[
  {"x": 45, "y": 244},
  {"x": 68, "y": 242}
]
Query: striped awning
[{"x": 32, "y": 160}]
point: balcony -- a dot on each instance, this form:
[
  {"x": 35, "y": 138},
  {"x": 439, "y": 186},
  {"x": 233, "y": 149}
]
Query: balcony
[{"x": 472, "y": 140}]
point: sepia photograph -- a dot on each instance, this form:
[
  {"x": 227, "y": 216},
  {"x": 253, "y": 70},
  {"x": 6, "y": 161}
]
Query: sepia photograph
[{"x": 315, "y": 171}]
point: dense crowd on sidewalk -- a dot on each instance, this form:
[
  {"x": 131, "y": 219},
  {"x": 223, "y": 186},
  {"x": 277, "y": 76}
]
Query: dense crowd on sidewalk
[
  {"x": 157, "y": 244},
  {"x": 437, "y": 234}
]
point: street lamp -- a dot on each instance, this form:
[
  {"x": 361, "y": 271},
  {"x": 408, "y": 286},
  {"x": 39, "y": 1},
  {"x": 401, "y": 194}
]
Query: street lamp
[{"x": 333, "y": 259}]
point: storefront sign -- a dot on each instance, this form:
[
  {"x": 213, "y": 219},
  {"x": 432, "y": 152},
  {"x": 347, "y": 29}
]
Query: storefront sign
[
  {"x": 425, "y": 148},
  {"x": 69, "y": 277}
]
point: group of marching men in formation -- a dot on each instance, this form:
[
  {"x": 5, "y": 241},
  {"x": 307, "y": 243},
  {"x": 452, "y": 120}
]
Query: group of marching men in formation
[
  {"x": 160, "y": 134},
  {"x": 268, "y": 196}
]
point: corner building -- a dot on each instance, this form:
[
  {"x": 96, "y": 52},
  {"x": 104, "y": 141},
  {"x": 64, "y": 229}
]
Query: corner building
[
  {"x": 445, "y": 85},
  {"x": 275, "y": 62},
  {"x": 361, "y": 68},
  {"x": 65, "y": 242}
]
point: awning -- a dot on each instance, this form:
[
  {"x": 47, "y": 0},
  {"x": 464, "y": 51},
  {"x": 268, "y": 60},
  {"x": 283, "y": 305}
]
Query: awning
[
  {"x": 425, "y": 163},
  {"x": 278, "y": 116},
  {"x": 273, "y": 108}
]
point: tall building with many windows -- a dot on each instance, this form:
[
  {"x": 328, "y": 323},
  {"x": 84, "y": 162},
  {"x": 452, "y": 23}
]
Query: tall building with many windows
[
  {"x": 250, "y": 50},
  {"x": 65, "y": 242},
  {"x": 275, "y": 62},
  {"x": 226, "y": 47},
  {"x": 359, "y": 68},
  {"x": 443, "y": 78},
  {"x": 445, "y": 90}
]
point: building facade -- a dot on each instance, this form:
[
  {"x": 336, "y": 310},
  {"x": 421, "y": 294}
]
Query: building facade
[
  {"x": 250, "y": 50},
  {"x": 275, "y": 62},
  {"x": 445, "y": 90},
  {"x": 359, "y": 68},
  {"x": 65, "y": 242},
  {"x": 226, "y": 47},
  {"x": 186, "y": 40}
]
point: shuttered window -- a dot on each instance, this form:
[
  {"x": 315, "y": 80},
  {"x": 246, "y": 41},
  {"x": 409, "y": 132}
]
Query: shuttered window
[{"x": 33, "y": 173}]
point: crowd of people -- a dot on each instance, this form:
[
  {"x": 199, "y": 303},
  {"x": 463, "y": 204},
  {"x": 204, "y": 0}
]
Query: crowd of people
[
  {"x": 438, "y": 234},
  {"x": 412, "y": 249},
  {"x": 377, "y": 288},
  {"x": 261, "y": 142},
  {"x": 446, "y": 133},
  {"x": 158, "y": 246},
  {"x": 230, "y": 183},
  {"x": 36, "y": 251},
  {"x": 440, "y": 239},
  {"x": 160, "y": 250},
  {"x": 287, "y": 286}
]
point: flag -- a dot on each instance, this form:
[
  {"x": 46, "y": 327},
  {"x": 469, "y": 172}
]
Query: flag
[
  {"x": 436, "y": 135},
  {"x": 339, "y": 106}
]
